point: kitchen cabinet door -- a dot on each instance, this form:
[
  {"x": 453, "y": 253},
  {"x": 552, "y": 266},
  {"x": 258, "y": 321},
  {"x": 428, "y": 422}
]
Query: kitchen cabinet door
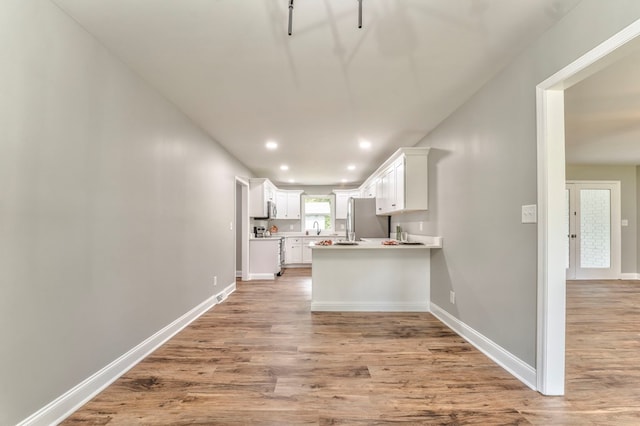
[
  {"x": 342, "y": 200},
  {"x": 369, "y": 191},
  {"x": 293, "y": 204},
  {"x": 261, "y": 191},
  {"x": 396, "y": 186},
  {"x": 281, "y": 205},
  {"x": 385, "y": 192},
  {"x": 293, "y": 250},
  {"x": 306, "y": 250}
]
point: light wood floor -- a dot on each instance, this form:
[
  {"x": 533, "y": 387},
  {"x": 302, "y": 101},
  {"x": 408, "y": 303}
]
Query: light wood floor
[{"x": 261, "y": 358}]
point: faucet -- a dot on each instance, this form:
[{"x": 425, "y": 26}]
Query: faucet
[{"x": 315, "y": 222}]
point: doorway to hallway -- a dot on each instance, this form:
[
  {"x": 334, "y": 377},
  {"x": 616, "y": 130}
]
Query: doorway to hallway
[{"x": 592, "y": 224}]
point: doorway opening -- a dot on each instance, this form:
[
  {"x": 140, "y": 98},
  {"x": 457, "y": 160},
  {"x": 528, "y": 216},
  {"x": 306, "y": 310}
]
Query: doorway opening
[
  {"x": 550, "y": 359},
  {"x": 242, "y": 229}
]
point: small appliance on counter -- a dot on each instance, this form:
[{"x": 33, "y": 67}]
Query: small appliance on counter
[{"x": 259, "y": 231}]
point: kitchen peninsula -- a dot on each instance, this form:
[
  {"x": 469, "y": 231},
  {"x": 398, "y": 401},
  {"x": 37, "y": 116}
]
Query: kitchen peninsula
[{"x": 372, "y": 277}]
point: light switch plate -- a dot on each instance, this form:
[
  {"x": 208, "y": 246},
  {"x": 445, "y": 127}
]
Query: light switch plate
[
  {"x": 529, "y": 214},
  {"x": 624, "y": 222}
]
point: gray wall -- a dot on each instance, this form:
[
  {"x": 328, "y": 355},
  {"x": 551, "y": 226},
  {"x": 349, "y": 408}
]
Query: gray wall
[
  {"x": 483, "y": 169},
  {"x": 114, "y": 208},
  {"x": 629, "y": 203}
]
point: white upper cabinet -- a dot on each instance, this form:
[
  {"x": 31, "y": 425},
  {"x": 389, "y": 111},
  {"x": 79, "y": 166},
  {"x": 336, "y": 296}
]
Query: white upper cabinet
[
  {"x": 368, "y": 190},
  {"x": 342, "y": 200},
  {"x": 261, "y": 191},
  {"x": 402, "y": 182},
  {"x": 293, "y": 204},
  {"x": 288, "y": 204}
]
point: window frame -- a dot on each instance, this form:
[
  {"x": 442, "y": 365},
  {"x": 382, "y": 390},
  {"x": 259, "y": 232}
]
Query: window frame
[{"x": 332, "y": 211}]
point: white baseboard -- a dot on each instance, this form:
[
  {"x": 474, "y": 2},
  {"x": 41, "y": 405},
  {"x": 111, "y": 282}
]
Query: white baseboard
[
  {"x": 630, "y": 276},
  {"x": 368, "y": 307},
  {"x": 262, "y": 277},
  {"x": 66, "y": 404},
  {"x": 514, "y": 365}
]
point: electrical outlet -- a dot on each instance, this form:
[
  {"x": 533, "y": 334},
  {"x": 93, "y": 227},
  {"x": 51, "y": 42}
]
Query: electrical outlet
[
  {"x": 452, "y": 297},
  {"x": 420, "y": 225},
  {"x": 290, "y": 227},
  {"x": 342, "y": 226},
  {"x": 215, "y": 281}
]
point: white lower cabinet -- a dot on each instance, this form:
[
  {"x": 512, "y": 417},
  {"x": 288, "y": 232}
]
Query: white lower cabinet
[
  {"x": 293, "y": 250},
  {"x": 264, "y": 257},
  {"x": 306, "y": 250},
  {"x": 297, "y": 249}
]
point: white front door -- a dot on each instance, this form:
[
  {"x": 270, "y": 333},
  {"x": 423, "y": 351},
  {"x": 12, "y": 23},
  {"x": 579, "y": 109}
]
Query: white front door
[{"x": 593, "y": 230}]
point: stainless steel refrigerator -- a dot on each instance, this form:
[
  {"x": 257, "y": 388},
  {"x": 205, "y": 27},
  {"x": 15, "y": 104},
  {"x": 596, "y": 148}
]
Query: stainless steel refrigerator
[{"x": 362, "y": 219}]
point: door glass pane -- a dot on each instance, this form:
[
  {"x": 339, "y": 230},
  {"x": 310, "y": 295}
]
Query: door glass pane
[
  {"x": 567, "y": 218},
  {"x": 595, "y": 228}
]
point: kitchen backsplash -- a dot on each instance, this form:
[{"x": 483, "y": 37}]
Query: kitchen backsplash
[{"x": 287, "y": 225}]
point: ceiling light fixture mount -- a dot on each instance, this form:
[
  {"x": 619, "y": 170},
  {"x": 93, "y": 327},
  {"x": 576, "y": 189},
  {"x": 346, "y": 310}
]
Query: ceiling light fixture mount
[
  {"x": 290, "y": 15},
  {"x": 365, "y": 144},
  {"x": 271, "y": 145},
  {"x": 290, "y": 28}
]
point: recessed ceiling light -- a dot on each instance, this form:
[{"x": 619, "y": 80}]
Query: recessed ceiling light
[
  {"x": 271, "y": 145},
  {"x": 284, "y": 167},
  {"x": 351, "y": 167},
  {"x": 343, "y": 181},
  {"x": 365, "y": 144},
  {"x": 291, "y": 181}
]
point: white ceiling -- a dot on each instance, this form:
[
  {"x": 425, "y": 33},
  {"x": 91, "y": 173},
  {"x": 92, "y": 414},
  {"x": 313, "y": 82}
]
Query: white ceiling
[
  {"x": 231, "y": 67},
  {"x": 602, "y": 115}
]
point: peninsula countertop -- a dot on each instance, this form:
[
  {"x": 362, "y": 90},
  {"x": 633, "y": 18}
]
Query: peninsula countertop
[{"x": 417, "y": 242}]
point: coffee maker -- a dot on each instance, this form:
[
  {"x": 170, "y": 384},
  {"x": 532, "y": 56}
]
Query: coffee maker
[{"x": 259, "y": 231}]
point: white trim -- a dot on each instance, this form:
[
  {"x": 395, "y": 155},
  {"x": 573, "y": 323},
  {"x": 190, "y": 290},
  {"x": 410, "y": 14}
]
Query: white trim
[
  {"x": 66, "y": 404},
  {"x": 261, "y": 277},
  {"x": 514, "y": 365},
  {"x": 368, "y": 307},
  {"x": 551, "y": 177},
  {"x": 629, "y": 276},
  {"x": 243, "y": 228}
]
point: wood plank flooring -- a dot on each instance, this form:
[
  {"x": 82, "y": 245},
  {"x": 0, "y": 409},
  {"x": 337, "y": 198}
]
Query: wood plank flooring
[{"x": 261, "y": 358}]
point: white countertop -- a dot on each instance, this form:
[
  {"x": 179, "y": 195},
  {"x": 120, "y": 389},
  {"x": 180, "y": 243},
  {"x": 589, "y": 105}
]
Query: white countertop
[
  {"x": 428, "y": 242},
  {"x": 302, "y": 235},
  {"x": 372, "y": 246},
  {"x": 265, "y": 238}
]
